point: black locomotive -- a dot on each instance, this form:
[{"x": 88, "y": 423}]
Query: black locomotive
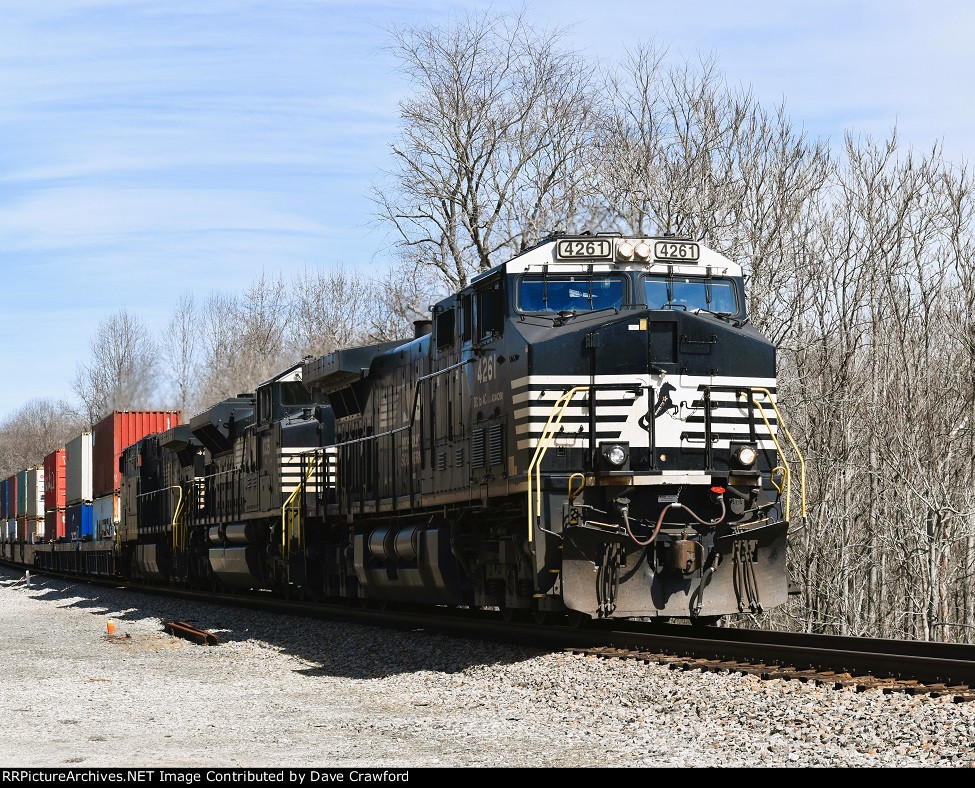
[{"x": 587, "y": 429}]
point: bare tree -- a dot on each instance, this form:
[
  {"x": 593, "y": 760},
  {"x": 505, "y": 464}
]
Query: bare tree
[
  {"x": 877, "y": 379},
  {"x": 121, "y": 372},
  {"x": 494, "y": 141},
  {"x": 243, "y": 339},
  {"x": 403, "y": 296},
  {"x": 330, "y": 311},
  {"x": 264, "y": 311},
  {"x": 34, "y": 430},
  {"x": 685, "y": 153},
  {"x": 177, "y": 350},
  {"x": 219, "y": 342}
]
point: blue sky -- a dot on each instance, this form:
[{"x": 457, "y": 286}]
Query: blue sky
[{"x": 153, "y": 146}]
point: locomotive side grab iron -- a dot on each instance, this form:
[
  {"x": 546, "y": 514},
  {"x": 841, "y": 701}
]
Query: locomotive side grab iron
[{"x": 589, "y": 428}]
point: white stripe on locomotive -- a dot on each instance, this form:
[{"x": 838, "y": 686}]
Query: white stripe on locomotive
[
  {"x": 291, "y": 459},
  {"x": 536, "y": 395}
]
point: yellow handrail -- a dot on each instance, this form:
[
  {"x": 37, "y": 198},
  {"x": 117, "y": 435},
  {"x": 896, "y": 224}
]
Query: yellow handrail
[
  {"x": 178, "y": 541},
  {"x": 786, "y": 489},
  {"x": 544, "y": 441},
  {"x": 787, "y": 476},
  {"x": 573, "y": 492},
  {"x": 295, "y": 509}
]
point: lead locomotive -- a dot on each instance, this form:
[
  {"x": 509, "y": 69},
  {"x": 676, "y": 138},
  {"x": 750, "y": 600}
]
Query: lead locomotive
[{"x": 587, "y": 429}]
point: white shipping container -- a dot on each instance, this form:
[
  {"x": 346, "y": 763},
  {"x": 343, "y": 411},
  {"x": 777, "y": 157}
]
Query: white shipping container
[
  {"x": 105, "y": 516},
  {"x": 34, "y": 506},
  {"x": 78, "y": 469},
  {"x": 35, "y": 530}
]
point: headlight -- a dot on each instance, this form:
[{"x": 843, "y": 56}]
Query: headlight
[
  {"x": 615, "y": 455},
  {"x": 625, "y": 251},
  {"x": 746, "y": 456}
]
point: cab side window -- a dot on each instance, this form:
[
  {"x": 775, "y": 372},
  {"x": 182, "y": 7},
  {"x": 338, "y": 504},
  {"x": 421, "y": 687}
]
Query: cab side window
[
  {"x": 467, "y": 317},
  {"x": 490, "y": 311},
  {"x": 445, "y": 329},
  {"x": 264, "y": 404}
]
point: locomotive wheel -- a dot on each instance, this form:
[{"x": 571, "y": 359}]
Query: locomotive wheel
[
  {"x": 541, "y": 616},
  {"x": 511, "y": 614},
  {"x": 577, "y": 619}
]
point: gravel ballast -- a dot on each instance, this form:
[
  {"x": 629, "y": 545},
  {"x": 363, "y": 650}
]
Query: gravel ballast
[{"x": 286, "y": 691}]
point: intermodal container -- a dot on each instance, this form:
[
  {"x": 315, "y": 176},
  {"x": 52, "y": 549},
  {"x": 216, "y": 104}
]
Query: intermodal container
[
  {"x": 21, "y": 493},
  {"x": 34, "y": 505},
  {"x": 54, "y": 524},
  {"x": 4, "y": 489},
  {"x": 55, "y": 477},
  {"x": 12, "y": 497},
  {"x": 78, "y": 470},
  {"x": 78, "y": 522},
  {"x": 10, "y": 530},
  {"x": 117, "y": 431},
  {"x": 35, "y": 529},
  {"x": 105, "y": 512},
  {"x": 22, "y": 529}
]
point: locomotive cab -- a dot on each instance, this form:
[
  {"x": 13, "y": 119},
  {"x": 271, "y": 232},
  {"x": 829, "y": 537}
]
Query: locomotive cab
[{"x": 654, "y": 473}]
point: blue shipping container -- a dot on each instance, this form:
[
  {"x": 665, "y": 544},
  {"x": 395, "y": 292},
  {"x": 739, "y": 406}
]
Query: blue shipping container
[
  {"x": 79, "y": 521},
  {"x": 21, "y": 493},
  {"x": 3, "y": 499}
]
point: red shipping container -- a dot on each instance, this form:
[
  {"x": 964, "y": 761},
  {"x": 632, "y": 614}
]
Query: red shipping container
[
  {"x": 22, "y": 529},
  {"x": 117, "y": 431},
  {"x": 55, "y": 477},
  {"x": 12, "y": 497},
  {"x": 54, "y": 525}
]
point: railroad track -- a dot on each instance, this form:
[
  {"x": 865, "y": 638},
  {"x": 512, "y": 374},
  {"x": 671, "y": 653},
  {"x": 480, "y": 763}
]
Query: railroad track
[
  {"x": 915, "y": 667},
  {"x": 959, "y": 693}
]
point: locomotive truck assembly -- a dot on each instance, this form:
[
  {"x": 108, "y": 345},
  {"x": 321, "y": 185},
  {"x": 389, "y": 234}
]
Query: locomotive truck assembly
[{"x": 588, "y": 430}]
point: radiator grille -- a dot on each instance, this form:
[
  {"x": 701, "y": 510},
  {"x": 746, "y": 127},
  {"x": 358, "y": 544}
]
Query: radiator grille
[
  {"x": 477, "y": 447},
  {"x": 496, "y": 438}
]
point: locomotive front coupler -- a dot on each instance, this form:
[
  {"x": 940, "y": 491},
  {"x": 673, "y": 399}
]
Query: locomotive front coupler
[{"x": 682, "y": 555}]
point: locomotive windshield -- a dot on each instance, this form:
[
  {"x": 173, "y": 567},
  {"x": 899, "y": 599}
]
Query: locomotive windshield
[
  {"x": 570, "y": 293},
  {"x": 691, "y": 292}
]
